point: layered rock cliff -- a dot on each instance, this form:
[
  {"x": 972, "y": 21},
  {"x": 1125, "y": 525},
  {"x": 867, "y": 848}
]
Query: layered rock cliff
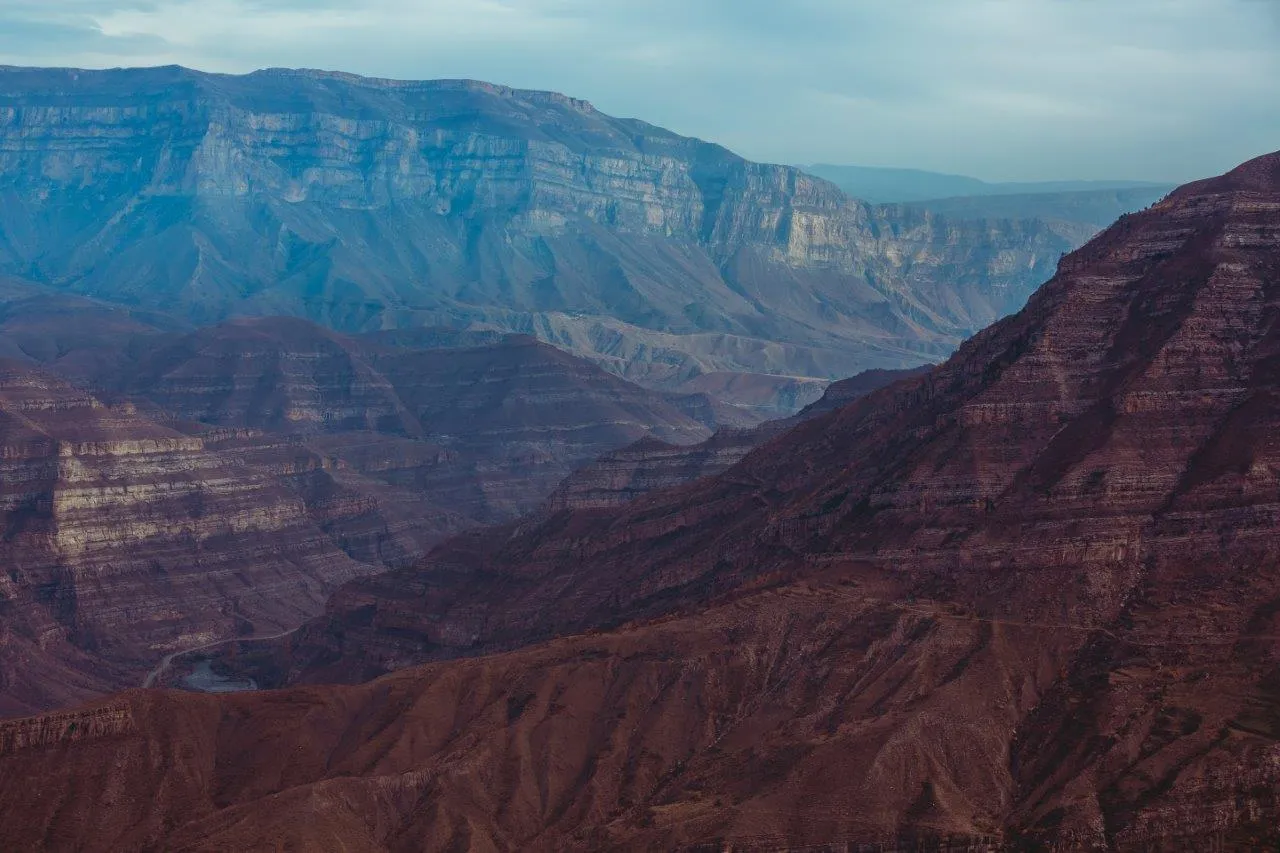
[
  {"x": 125, "y": 539},
  {"x": 367, "y": 204},
  {"x": 488, "y": 431},
  {"x": 223, "y": 482},
  {"x": 1027, "y": 599}
]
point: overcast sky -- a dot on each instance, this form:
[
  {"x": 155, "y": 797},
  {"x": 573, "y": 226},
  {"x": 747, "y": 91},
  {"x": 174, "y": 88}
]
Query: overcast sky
[{"x": 999, "y": 89}]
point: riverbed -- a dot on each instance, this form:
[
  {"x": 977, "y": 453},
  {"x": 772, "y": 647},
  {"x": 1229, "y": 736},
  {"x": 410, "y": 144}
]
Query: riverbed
[{"x": 204, "y": 680}]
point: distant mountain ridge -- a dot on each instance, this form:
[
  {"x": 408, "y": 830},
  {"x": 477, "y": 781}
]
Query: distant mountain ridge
[
  {"x": 1074, "y": 210},
  {"x": 369, "y": 204},
  {"x": 1074, "y": 215},
  {"x": 885, "y": 185}
]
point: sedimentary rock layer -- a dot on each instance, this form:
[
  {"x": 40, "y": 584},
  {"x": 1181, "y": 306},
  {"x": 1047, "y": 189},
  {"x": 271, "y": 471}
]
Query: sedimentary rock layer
[
  {"x": 371, "y": 204},
  {"x": 222, "y": 483},
  {"x": 125, "y": 539}
]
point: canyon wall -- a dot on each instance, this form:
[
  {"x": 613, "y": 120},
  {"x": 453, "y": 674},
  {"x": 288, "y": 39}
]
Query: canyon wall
[
  {"x": 372, "y": 204},
  {"x": 221, "y": 483}
]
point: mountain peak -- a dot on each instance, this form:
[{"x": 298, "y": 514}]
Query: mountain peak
[{"x": 1261, "y": 174}]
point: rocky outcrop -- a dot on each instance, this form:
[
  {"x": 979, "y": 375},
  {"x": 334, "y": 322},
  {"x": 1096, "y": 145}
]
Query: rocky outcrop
[
  {"x": 372, "y": 204},
  {"x": 71, "y": 726},
  {"x": 1027, "y": 599}
]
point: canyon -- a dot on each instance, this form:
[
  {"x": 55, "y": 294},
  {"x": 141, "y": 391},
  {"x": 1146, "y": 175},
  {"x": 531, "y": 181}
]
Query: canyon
[
  {"x": 366, "y": 205},
  {"x": 1026, "y": 599},
  {"x": 165, "y": 489}
]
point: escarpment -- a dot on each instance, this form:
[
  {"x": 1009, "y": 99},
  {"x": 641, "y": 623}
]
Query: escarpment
[{"x": 371, "y": 204}]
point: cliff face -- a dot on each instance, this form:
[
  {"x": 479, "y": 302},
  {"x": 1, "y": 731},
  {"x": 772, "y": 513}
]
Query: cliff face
[
  {"x": 126, "y": 539},
  {"x": 367, "y": 204},
  {"x": 1029, "y": 597},
  {"x": 223, "y": 482},
  {"x": 488, "y": 431}
]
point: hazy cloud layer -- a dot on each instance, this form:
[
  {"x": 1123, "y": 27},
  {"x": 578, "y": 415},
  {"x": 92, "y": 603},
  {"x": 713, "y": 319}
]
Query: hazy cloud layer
[{"x": 1002, "y": 89}]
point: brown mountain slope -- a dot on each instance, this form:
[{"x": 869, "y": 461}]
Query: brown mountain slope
[
  {"x": 280, "y": 374},
  {"x": 486, "y": 430},
  {"x": 1030, "y": 595}
]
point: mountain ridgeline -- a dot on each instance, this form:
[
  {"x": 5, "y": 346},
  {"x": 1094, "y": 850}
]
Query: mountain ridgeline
[
  {"x": 902, "y": 186},
  {"x": 367, "y": 204},
  {"x": 1075, "y": 210}
]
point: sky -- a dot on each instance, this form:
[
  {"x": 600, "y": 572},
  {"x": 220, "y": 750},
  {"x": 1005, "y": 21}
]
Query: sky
[{"x": 1161, "y": 90}]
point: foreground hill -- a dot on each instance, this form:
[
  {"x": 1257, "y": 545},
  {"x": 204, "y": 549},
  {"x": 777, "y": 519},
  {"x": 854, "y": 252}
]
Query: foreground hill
[
  {"x": 1027, "y": 599},
  {"x": 368, "y": 204}
]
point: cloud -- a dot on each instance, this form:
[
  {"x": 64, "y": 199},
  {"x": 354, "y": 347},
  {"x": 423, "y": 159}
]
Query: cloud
[
  {"x": 1159, "y": 89},
  {"x": 30, "y": 31}
]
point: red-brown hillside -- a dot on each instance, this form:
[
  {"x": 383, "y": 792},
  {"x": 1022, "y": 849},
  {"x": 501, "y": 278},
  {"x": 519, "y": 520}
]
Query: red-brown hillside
[{"x": 1030, "y": 599}]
